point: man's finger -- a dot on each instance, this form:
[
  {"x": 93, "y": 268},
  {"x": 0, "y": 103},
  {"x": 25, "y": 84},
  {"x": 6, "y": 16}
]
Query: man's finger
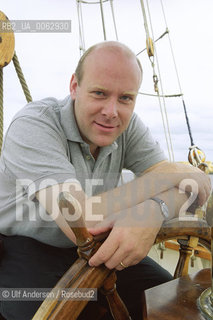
[
  {"x": 106, "y": 250},
  {"x": 103, "y": 226}
]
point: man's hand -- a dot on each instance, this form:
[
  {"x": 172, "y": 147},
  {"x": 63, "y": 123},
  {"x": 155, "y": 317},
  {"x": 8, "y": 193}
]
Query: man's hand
[
  {"x": 185, "y": 177},
  {"x": 199, "y": 182},
  {"x": 129, "y": 240},
  {"x": 129, "y": 245}
]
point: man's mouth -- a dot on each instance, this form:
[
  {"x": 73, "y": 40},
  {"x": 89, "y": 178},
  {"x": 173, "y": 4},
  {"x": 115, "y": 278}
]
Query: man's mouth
[{"x": 105, "y": 127}]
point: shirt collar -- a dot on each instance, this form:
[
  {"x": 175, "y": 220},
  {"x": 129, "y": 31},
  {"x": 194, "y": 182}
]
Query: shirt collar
[{"x": 68, "y": 121}]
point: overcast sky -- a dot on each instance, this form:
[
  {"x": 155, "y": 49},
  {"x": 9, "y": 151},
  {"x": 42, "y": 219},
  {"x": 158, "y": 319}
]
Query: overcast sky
[{"x": 48, "y": 60}]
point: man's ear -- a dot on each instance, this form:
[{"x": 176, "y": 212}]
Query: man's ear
[{"x": 73, "y": 86}]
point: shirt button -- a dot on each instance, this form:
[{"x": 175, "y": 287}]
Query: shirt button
[{"x": 88, "y": 157}]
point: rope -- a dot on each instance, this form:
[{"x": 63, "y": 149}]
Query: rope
[
  {"x": 170, "y": 43},
  {"x": 81, "y": 27},
  {"x": 160, "y": 95},
  {"x": 102, "y": 18},
  {"x": 113, "y": 17},
  {"x": 161, "y": 85},
  {"x": 80, "y": 21},
  {"x": 160, "y": 37},
  {"x": 187, "y": 122},
  {"x": 92, "y": 2},
  {"x": 21, "y": 78},
  {"x": 178, "y": 78},
  {"x": 164, "y": 127},
  {"x": 154, "y": 75},
  {"x": 1, "y": 108},
  {"x": 155, "y": 79},
  {"x": 145, "y": 20}
]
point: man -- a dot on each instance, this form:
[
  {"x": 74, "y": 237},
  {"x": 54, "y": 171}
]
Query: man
[{"x": 81, "y": 145}]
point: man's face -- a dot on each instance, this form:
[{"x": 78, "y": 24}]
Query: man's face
[{"x": 105, "y": 98}]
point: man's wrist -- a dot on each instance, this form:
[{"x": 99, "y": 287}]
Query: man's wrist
[
  {"x": 163, "y": 207},
  {"x": 153, "y": 213}
]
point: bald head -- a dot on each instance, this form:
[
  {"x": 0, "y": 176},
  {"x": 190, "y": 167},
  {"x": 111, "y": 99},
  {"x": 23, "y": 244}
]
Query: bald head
[{"x": 105, "y": 47}]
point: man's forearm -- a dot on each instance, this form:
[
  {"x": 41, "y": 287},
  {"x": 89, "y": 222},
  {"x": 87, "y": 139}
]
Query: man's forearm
[
  {"x": 148, "y": 213},
  {"x": 157, "y": 182}
]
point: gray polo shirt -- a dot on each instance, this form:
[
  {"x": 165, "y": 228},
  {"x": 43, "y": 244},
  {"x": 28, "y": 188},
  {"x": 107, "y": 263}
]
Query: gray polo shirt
[{"x": 43, "y": 147}]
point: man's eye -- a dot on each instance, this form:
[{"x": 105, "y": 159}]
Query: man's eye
[
  {"x": 98, "y": 93},
  {"x": 125, "y": 98}
]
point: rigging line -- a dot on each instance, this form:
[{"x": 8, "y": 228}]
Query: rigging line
[
  {"x": 154, "y": 41},
  {"x": 1, "y": 109},
  {"x": 102, "y": 17},
  {"x": 178, "y": 78},
  {"x": 81, "y": 27},
  {"x": 171, "y": 156},
  {"x": 113, "y": 17},
  {"x": 187, "y": 122},
  {"x": 145, "y": 19},
  {"x": 171, "y": 48},
  {"x": 161, "y": 85},
  {"x": 21, "y": 78},
  {"x": 163, "y": 34},
  {"x": 154, "y": 75},
  {"x": 92, "y": 2},
  {"x": 160, "y": 95}
]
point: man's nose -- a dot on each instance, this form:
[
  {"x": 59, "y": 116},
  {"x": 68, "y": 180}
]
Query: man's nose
[{"x": 110, "y": 109}]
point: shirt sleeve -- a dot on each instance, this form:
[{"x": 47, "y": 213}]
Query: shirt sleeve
[
  {"x": 35, "y": 153},
  {"x": 141, "y": 151}
]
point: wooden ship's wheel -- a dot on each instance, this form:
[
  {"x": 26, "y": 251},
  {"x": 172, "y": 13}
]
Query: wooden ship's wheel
[{"x": 81, "y": 275}]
